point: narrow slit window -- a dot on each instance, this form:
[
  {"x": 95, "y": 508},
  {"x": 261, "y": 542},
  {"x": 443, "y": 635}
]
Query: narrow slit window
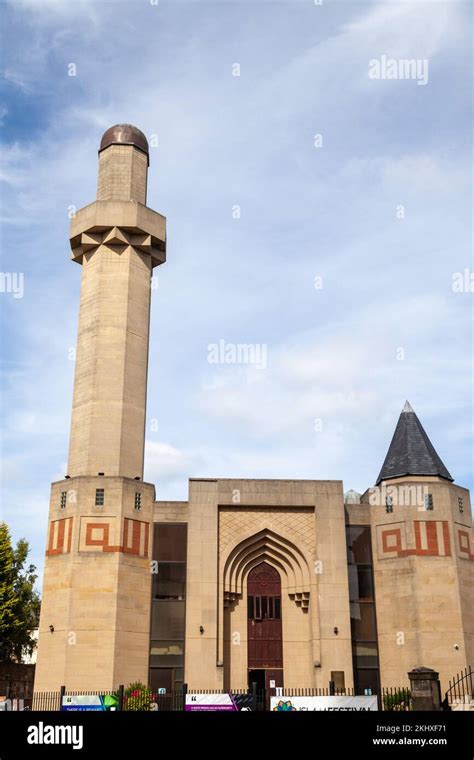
[
  {"x": 250, "y": 607},
  {"x": 99, "y": 497},
  {"x": 277, "y": 608}
]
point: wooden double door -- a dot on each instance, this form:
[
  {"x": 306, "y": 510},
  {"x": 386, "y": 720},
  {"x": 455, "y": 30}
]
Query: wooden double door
[{"x": 264, "y": 627}]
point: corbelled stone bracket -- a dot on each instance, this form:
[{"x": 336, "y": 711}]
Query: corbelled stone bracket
[
  {"x": 300, "y": 599},
  {"x": 133, "y": 225}
]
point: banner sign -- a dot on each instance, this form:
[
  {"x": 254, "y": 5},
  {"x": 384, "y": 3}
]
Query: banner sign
[
  {"x": 332, "y": 704},
  {"x": 103, "y": 702},
  {"x": 219, "y": 702}
]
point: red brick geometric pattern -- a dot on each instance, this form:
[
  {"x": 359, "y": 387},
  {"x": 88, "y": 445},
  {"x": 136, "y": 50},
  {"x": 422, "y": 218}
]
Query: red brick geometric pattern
[
  {"x": 464, "y": 545},
  {"x": 431, "y": 540},
  {"x": 60, "y": 536},
  {"x": 135, "y": 537}
]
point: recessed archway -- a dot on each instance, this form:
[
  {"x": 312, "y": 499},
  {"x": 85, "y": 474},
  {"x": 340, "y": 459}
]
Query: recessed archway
[{"x": 283, "y": 559}]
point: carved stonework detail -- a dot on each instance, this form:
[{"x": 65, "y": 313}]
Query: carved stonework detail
[
  {"x": 118, "y": 239},
  {"x": 115, "y": 225},
  {"x": 290, "y": 557},
  {"x": 301, "y": 600},
  {"x": 299, "y": 523}
]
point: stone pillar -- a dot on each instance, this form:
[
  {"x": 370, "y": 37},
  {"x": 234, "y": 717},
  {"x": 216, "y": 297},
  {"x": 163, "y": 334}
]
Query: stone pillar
[{"x": 425, "y": 689}]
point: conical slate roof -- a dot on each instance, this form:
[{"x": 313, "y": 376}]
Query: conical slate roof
[{"x": 411, "y": 451}]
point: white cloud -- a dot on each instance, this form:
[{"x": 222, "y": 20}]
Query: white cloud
[
  {"x": 165, "y": 462},
  {"x": 341, "y": 375},
  {"x": 47, "y": 11},
  {"x": 409, "y": 173},
  {"x": 408, "y": 29}
]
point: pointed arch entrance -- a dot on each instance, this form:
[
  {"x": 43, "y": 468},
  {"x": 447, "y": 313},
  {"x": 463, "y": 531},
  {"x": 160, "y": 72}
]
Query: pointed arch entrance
[
  {"x": 298, "y": 618},
  {"x": 264, "y": 626}
]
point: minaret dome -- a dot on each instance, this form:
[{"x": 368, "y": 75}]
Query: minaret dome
[{"x": 124, "y": 134}]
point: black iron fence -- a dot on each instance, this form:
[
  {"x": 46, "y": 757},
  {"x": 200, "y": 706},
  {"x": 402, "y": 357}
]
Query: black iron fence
[
  {"x": 395, "y": 699},
  {"x": 460, "y": 692},
  {"x": 142, "y": 699},
  {"x": 46, "y": 700}
]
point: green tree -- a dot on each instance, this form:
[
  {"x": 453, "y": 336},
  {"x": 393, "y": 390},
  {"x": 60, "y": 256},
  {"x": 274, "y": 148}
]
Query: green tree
[{"x": 19, "y": 602}]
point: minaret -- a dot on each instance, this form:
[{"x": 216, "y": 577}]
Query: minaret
[
  {"x": 94, "y": 628},
  {"x": 118, "y": 241}
]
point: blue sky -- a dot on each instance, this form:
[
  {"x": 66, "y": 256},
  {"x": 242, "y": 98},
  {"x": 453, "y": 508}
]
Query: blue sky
[{"x": 305, "y": 212}]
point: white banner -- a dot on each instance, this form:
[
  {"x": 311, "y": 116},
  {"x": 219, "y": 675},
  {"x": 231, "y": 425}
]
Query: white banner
[
  {"x": 209, "y": 702},
  {"x": 331, "y": 704},
  {"x": 219, "y": 702},
  {"x": 77, "y": 702}
]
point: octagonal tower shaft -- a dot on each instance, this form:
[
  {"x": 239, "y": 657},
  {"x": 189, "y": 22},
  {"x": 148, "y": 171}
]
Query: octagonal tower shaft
[{"x": 117, "y": 240}]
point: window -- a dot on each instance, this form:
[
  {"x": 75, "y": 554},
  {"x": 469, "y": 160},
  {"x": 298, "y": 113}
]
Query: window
[
  {"x": 167, "y": 621},
  {"x": 168, "y": 606},
  {"x": 359, "y": 545},
  {"x": 277, "y": 608},
  {"x": 250, "y": 608},
  {"x": 362, "y": 607},
  {"x": 169, "y": 544},
  {"x": 170, "y": 581},
  {"x": 461, "y": 504},
  {"x": 429, "y": 502},
  {"x": 366, "y": 680},
  {"x": 365, "y": 655},
  {"x": 138, "y": 500},
  {"x": 363, "y": 621},
  {"x": 99, "y": 497},
  {"x": 264, "y": 607},
  {"x": 167, "y": 654},
  {"x": 63, "y": 499},
  {"x": 361, "y": 584},
  {"x": 389, "y": 504},
  {"x": 258, "y": 613}
]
